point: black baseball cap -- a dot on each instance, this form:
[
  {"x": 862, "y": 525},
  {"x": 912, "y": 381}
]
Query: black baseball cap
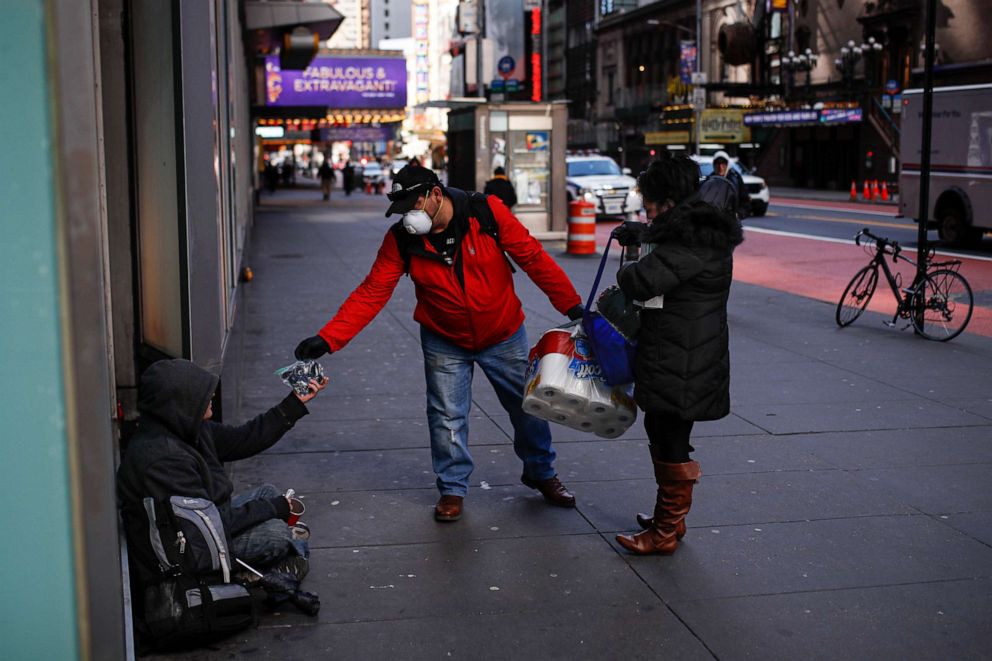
[{"x": 410, "y": 182}]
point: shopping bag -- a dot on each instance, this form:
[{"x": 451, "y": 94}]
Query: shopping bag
[{"x": 614, "y": 353}]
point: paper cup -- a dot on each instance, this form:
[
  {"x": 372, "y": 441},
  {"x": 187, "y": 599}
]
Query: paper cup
[{"x": 296, "y": 510}]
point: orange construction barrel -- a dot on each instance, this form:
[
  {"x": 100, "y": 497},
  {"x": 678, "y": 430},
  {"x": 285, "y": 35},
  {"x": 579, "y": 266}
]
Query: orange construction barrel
[{"x": 581, "y": 228}]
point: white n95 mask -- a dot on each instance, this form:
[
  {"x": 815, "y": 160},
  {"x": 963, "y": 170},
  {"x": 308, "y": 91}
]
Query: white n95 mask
[{"x": 417, "y": 222}]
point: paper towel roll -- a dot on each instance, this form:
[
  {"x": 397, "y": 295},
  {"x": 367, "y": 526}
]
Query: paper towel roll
[
  {"x": 609, "y": 429},
  {"x": 575, "y": 396},
  {"x": 553, "y": 377},
  {"x": 600, "y": 399},
  {"x": 537, "y": 407}
]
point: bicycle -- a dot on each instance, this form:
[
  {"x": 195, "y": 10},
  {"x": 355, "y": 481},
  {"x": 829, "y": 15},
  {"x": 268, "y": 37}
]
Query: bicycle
[{"x": 938, "y": 307}]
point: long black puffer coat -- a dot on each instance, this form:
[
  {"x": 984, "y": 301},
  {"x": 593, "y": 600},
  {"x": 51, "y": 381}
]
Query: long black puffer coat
[{"x": 683, "y": 359}]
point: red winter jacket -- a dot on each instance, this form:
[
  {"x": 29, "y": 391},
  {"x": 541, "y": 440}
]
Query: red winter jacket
[{"x": 486, "y": 310}]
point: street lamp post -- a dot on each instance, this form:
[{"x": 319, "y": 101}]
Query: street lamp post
[
  {"x": 850, "y": 54},
  {"x": 805, "y": 61}
]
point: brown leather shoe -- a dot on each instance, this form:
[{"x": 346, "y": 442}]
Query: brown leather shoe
[
  {"x": 448, "y": 508},
  {"x": 552, "y": 489}
]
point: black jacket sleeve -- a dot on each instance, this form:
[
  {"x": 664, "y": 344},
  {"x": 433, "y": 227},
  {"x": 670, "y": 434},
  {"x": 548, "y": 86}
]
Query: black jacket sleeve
[
  {"x": 256, "y": 435},
  {"x": 659, "y": 272}
]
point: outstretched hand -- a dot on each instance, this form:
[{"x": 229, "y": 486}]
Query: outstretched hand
[
  {"x": 314, "y": 390},
  {"x": 312, "y": 348}
]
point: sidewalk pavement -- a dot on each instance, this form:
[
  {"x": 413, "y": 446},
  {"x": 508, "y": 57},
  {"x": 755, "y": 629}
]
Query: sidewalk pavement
[{"x": 844, "y": 509}]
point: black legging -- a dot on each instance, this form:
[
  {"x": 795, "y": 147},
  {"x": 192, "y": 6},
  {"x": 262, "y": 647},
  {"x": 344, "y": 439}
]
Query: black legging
[{"x": 670, "y": 435}]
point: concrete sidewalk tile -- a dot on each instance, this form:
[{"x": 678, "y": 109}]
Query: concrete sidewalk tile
[
  {"x": 357, "y": 518},
  {"x": 375, "y": 470},
  {"x": 853, "y": 416},
  {"x": 977, "y": 525},
  {"x": 488, "y": 576},
  {"x": 934, "y": 620},
  {"x": 735, "y": 561},
  {"x": 815, "y": 388},
  {"x": 561, "y": 634},
  {"x": 744, "y": 499},
  {"x": 313, "y": 434},
  {"x": 892, "y": 448},
  {"x": 938, "y": 489},
  {"x": 731, "y": 425}
]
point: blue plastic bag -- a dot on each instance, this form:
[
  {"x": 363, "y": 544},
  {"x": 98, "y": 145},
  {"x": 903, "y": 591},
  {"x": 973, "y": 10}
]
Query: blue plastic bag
[{"x": 613, "y": 352}]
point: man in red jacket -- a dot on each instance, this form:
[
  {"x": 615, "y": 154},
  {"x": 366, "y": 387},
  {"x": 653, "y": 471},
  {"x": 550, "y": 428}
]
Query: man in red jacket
[{"x": 452, "y": 245}]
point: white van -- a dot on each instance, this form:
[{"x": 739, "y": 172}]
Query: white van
[{"x": 960, "y": 196}]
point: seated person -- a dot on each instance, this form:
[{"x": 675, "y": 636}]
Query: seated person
[{"x": 178, "y": 451}]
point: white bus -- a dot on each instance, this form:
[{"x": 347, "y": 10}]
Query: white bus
[{"x": 960, "y": 196}]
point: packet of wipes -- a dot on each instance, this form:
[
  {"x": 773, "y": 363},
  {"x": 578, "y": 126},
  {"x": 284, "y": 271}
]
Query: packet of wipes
[{"x": 298, "y": 375}]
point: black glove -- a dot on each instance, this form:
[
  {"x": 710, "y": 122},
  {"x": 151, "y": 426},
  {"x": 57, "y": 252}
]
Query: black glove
[
  {"x": 630, "y": 233},
  {"x": 312, "y": 348},
  {"x": 575, "y": 312}
]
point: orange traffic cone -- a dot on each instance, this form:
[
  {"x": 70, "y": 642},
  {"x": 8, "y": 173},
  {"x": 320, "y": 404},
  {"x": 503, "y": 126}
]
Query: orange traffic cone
[
  {"x": 885, "y": 192},
  {"x": 854, "y": 191},
  {"x": 874, "y": 191},
  {"x": 866, "y": 195}
]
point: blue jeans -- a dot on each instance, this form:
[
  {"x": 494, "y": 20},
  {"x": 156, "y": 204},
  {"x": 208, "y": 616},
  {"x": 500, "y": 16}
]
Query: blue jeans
[
  {"x": 449, "y": 370},
  {"x": 268, "y": 542}
]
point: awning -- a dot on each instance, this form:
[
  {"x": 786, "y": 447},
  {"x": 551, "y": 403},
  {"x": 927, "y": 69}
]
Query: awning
[{"x": 287, "y": 14}]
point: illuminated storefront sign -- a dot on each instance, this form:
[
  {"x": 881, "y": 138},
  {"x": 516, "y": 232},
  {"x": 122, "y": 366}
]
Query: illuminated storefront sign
[
  {"x": 421, "y": 42},
  {"x": 724, "y": 125},
  {"x": 782, "y": 117},
  {"x": 338, "y": 82}
]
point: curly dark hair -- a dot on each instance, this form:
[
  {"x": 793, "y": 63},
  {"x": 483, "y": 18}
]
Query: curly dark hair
[{"x": 669, "y": 177}]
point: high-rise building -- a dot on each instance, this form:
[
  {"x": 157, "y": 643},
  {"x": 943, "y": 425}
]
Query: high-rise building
[
  {"x": 355, "y": 29},
  {"x": 389, "y": 19}
]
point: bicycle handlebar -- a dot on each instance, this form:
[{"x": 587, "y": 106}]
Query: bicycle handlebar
[{"x": 881, "y": 242}]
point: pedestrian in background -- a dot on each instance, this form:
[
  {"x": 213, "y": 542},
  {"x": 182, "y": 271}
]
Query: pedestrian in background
[
  {"x": 326, "y": 173},
  {"x": 501, "y": 187},
  {"x": 348, "y": 174},
  {"x": 682, "y": 366},
  {"x": 451, "y": 244},
  {"x": 722, "y": 168}
]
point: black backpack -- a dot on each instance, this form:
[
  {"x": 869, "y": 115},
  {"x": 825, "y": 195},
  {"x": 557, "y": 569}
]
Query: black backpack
[
  {"x": 410, "y": 244},
  {"x": 185, "y": 560}
]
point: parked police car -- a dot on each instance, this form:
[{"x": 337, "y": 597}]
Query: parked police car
[{"x": 598, "y": 179}]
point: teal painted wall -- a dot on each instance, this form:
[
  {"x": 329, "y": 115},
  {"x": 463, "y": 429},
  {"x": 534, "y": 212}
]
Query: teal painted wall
[{"x": 37, "y": 592}]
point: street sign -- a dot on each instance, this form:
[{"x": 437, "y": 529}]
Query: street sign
[
  {"x": 698, "y": 97},
  {"x": 892, "y": 87},
  {"x": 698, "y": 77},
  {"x": 506, "y": 66}
]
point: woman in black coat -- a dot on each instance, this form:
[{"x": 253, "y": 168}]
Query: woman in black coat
[{"x": 682, "y": 369}]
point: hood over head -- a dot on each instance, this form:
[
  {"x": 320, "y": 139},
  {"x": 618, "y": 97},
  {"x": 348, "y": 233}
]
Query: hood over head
[
  {"x": 176, "y": 393},
  {"x": 721, "y": 155}
]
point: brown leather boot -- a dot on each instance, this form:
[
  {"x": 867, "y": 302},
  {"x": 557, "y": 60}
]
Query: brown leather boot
[
  {"x": 646, "y": 521},
  {"x": 675, "y": 482}
]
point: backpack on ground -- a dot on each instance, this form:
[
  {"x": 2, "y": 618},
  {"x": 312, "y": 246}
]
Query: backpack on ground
[{"x": 187, "y": 597}]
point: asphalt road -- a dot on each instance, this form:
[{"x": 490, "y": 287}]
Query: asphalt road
[{"x": 842, "y": 222}]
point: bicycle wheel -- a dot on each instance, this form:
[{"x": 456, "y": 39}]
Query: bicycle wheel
[
  {"x": 942, "y": 305},
  {"x": 855, "y": 299}
]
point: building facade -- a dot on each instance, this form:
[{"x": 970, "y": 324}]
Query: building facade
[
  {"x": 130, "y": 204},
  {"x": 389, "y": 19}
]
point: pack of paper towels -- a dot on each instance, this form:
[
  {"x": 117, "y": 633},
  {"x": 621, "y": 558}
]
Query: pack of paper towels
[{"x": 565, "y": 385}]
